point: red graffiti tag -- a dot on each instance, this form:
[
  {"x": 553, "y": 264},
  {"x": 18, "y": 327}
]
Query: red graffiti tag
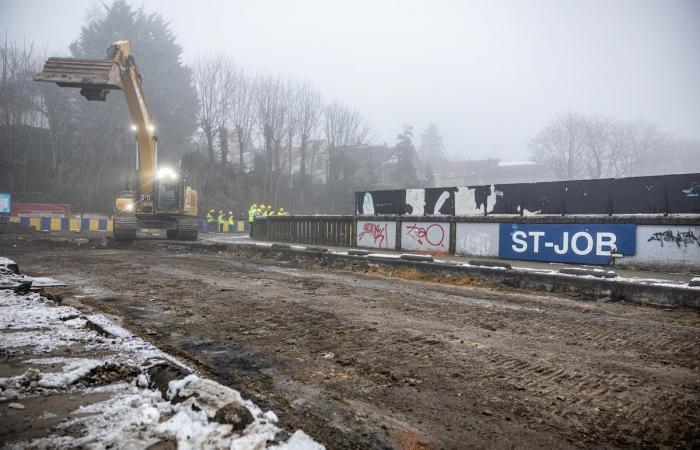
[
  {"x": 376, "y": 231},
  {"x": 419, "y": 233}
]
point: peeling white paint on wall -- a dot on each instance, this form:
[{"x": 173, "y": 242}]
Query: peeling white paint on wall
[
  {"x": 426, "y": 236},
  {"x": 376, "y": 234},
  {"x": 440, "y": 201},
  {"x": 465, "y": 202},
  {"x": 491, "y": 200},
  {"x": 367, "y": 204},
  {"x": 416, "y": 199},
  {"x": 527, "y": 212},
  {"x": 478, "y": 239},
  {"x": 666, "y": 244}
]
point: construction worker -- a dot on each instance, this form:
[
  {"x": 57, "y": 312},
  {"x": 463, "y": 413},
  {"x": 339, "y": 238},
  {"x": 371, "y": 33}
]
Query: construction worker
[
  {"x": 210, "y": 221},
  {"x": 251, "y": 218},
  {"x": 270, "y": 211},
  {"x": 221, "y": 220},
  {"x": 231, "y": 222},
  {"x": 281, "y": 212},
  {"x": 263, "y": 211}
]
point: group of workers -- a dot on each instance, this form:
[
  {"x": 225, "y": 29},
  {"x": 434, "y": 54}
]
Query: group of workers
[
  {"x": 217, "y": 220},
  {"x": 261, "y": 211}
]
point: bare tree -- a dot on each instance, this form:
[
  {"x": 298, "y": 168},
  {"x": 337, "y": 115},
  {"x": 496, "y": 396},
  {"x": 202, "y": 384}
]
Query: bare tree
[
  {"x": 19, "y": 112},
  {"x": 344, "y": 129},
  {"x": 596, "y": 145},
  {"x": 271, "y": 115},
  {"x": 242, "y": 114},
  {"x": 291, "y": 124},
  {"x": 602, "y": 147},
  {"x": 214, "y": 80},
  {"x": 559, "y": 146},
  {"x": 309, "y": 107}
]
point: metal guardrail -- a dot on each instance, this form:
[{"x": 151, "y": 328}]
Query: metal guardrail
[{"x": 316, "y": 230}]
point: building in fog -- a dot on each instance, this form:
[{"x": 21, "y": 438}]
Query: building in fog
[{"x": 492, "y": 171}]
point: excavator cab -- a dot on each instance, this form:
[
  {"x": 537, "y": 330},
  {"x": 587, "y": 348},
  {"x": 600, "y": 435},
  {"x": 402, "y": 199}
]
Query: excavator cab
[{"x": 163, "y": 200}]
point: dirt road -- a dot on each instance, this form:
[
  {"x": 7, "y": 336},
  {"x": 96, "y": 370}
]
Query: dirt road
[{"x": 360, "y": 359}]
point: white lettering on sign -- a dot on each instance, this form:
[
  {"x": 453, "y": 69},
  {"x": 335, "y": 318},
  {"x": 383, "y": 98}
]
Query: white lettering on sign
[
  {"x": 581, "y": 243},
  {"x": 607, "y": 240},
  {"x": 575, "y": 243},
  {"x": 536, "y": 235},
  {"x": 519, "y": 237}
]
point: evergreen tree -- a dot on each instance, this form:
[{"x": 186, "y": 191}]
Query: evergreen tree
[
  {"x": 432, "y": 149},
  {"x": 407, "y": 165},
  {"x": 107, "y": 144}
]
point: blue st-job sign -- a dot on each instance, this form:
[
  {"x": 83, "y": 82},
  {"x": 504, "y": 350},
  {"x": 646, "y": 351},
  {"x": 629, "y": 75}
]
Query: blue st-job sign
[{"x": 573, "y": 243}]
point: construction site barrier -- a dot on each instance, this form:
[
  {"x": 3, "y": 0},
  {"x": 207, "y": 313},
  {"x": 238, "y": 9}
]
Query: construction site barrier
[
  {"x": 316, "y": 230},
  {"x": 44, "y": 223},
  {"x": 239, "y": 226},
  {"x": 602, "y": 240}
]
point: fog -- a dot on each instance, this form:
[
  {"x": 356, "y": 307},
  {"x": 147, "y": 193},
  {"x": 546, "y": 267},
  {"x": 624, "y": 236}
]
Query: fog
[{"x": 489, "y": 74}]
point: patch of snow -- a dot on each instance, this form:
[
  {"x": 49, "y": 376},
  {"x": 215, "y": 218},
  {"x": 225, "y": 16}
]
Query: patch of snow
[
  {"x": 384, "y": 255},
  {"x": 73, "y": 370},
  {"x": 134, "y": 416},
  {"x": 299, "y": 441}
]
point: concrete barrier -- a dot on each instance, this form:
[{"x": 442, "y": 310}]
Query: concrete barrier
[
  {"x": 580, "y": 287},
  {"x": 641, "y": 240},
  {"x": 49, "y": 223}
]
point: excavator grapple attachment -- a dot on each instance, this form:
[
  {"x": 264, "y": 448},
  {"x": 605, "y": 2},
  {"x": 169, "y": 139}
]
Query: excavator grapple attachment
[{"x": 94, "y": 77}]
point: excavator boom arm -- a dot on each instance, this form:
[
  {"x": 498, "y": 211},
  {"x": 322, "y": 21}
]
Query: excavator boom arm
[{"x": 95, "y": 78}]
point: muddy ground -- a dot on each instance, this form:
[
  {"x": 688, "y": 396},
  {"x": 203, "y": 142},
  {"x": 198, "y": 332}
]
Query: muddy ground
[{"x": 361, "y": 358}]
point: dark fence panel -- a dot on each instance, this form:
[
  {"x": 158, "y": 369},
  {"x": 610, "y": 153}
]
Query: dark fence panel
[
  {"x": 440, "y": 201},
  {"x": 315, "y": 230},
  {"x": 664, "y": 194},
  {"x": 381, "y": 202}
]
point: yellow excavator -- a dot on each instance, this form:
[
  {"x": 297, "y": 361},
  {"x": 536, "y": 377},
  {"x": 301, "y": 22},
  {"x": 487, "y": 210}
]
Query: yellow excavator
[{"x": 163, "y": 200}]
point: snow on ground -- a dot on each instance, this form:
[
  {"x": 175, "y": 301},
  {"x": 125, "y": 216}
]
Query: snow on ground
[{"x": 62, "y": 349}]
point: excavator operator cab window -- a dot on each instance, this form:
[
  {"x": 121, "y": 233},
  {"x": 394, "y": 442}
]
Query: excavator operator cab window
[{"x": 169, "y": 190}]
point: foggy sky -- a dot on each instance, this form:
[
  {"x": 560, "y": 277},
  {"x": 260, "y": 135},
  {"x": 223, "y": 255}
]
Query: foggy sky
[{"x": 490, "y": 74}]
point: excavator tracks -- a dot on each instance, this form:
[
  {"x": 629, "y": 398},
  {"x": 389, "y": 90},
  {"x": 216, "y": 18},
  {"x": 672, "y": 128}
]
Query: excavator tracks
[
  {"x": 124, "y": 228},
  {"x": 187, "y": 229}
]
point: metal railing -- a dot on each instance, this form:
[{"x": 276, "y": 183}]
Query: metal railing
[{"x": 315, "y": 230}]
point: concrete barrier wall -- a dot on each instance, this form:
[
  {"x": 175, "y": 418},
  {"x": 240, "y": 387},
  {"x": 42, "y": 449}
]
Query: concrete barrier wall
[
  {"x": 477, "y": 239},
  {"x": 48, "y": 223},
  {"x": 667, "y": 244},
  {"x": 433, "y": 237},
  {"x": 95, "y": 224},
  {"x": 376, "y": 234},
  {"x": 586, "y": 241}
]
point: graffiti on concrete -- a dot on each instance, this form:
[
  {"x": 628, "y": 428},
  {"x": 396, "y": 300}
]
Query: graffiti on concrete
[
  {"x": 375, "y": 231},
  {"x": 433, "y": 234},
  {"x": 680, "y": 238},
  {"x": 692, "y": 191}
]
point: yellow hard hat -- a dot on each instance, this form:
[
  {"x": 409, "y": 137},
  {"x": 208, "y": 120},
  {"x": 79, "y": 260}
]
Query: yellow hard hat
[
  {"x": 254, "y": 205},
  {"x": 269, "y": 206},
  {"x": 211, "y": 210},
  {"x": 282, "y": 209}
]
